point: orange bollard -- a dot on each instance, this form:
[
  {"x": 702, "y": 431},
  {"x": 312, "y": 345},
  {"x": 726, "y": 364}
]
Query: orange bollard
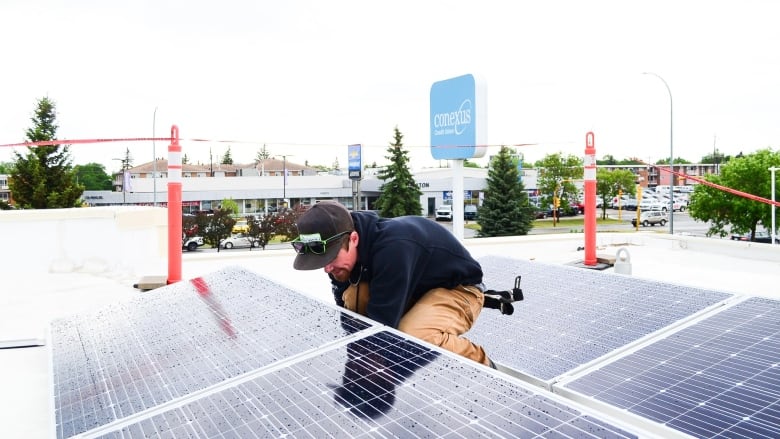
[
  {"x": 590, "y": 200},
  {"x": 174, "y": 207}
]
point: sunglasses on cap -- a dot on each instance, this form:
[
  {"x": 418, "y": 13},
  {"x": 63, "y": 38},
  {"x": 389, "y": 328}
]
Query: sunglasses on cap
[{"x": 313, "y": 244}]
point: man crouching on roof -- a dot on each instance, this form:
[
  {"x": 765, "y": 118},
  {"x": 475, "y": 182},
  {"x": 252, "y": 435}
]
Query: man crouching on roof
[{"x": 409, "y": 273}]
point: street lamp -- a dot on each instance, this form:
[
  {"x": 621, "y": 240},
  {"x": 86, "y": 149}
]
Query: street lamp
[{"x": 671, "y": 154}]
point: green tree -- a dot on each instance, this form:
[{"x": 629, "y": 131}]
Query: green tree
[
  {"x": 607, "y": 160},
  {"x": 215, "y": 227},
  {"x": 400, "y": 194},
  {"x": 677, "y": 161},
  {"x": 506, "y": 210},
  {"x": 717, "y": 158},
  {"x": 321, "y": 168},
  {"x": 262, "y": 154},
  {"x": 262, "y": 230},
  {"x": 610, "y": 183},
  {"x": 44, "y": 178},
  {"x": 470, "y": 164},
  {"x": 724, "y": 210},
  {"x": 227, "y": 159},
  {"x": 556, "y": 179},
  {"x": 93, "y": 177},
  {"x": 230, "y": 206},
  {"x": 6, "y": 167},
  {"x": 285, "y": 222}
]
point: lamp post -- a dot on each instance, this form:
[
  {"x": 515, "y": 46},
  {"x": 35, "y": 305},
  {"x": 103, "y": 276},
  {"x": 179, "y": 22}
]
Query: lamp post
[{"x": 671, "y": 154}]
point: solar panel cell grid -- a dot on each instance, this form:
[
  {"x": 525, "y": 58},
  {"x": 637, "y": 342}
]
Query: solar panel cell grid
[
  {"x": 401, "y": 389},
  {"x": 571, "y": 316},
  {"x": 719, "y": 377},
  {"x": 136, "y": 355}
]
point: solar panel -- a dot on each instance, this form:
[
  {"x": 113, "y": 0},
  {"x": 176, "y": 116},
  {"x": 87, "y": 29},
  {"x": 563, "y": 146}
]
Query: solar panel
[
  {"x": 182, "y": 338},
  {"x": 381, "y": 385},
  {"x": 718, "y": 377},
  {"x": 571, "y": 316}
]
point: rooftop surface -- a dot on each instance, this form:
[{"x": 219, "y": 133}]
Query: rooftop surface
[{"x": 30, "y": 302}]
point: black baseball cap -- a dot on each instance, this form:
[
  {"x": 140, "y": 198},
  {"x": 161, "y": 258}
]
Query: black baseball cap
[{"x": 321, "y": 222}]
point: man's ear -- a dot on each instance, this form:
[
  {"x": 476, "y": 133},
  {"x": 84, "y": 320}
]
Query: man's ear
[{"x": 354, "y": 238}]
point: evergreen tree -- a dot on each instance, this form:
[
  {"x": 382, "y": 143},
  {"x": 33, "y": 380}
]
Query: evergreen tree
[
  {"x": 506, "y": 210},
  {"x": 227, "y": 159},
  {"x": 44, "y": 178},
  {"x": 400, "y": 193},
  {"x": 262, "y": 154}
]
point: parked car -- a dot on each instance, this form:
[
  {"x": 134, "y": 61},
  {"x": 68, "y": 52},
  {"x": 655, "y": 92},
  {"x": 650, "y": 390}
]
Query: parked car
[
  {"x": 469, "y": 212},
  {"x": 444, "y": 213},
  {"x": 239, "y": 240},
  {"x": 648, "y": 204},
  {"x": 241, "y": 226},
  {"x": 761, "y": 236},
  {"x": 650, "y": 218},
  {"x": 561, "y": 212},
  {"x": 191, "y": 243}
]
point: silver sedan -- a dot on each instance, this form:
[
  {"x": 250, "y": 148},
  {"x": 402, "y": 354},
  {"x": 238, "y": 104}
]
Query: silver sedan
[{"x": 239, "y": 240}]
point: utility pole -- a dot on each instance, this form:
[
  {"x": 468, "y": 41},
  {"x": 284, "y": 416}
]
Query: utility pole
[
  {"x": 284, "y": 179},
  {"x": 715, "y": 153},
  {"x": 154, "y": 158}
]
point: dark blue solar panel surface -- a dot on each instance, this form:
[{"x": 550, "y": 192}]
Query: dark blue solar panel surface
[
  {"x": 172, "y": 341},
  {"x": 717, "y": 378},
  {"x": 383, "y": 385},
  {"x": 571, "y": 316}
]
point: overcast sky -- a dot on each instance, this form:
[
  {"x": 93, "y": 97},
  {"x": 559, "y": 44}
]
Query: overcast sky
[{"x": 307, "y": 78}]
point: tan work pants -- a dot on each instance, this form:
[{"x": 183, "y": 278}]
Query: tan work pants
[{"x": 440, "y": 317}]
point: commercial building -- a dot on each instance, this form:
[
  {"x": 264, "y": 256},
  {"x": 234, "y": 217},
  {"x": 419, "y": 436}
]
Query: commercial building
[{"x": 272, "y": 183}]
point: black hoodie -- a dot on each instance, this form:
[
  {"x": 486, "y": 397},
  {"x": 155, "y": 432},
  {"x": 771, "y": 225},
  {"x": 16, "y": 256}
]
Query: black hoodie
[{"x": 402, "y": 259}]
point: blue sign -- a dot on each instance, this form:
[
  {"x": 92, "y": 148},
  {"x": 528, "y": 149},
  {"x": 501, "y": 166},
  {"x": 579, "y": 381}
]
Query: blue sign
[
  {"x": 354, "y": 162},
  {"x": 447, "y": 195},
  {"x": 458, "y": 118}
]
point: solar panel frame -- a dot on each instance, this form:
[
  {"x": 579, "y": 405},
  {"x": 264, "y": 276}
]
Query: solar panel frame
[
  {"x": 134, "y": 355},
  {"x": 587, "y": 313},
  {"x": 690, "y": 379},
  {"x": 448, "y": 396}
]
